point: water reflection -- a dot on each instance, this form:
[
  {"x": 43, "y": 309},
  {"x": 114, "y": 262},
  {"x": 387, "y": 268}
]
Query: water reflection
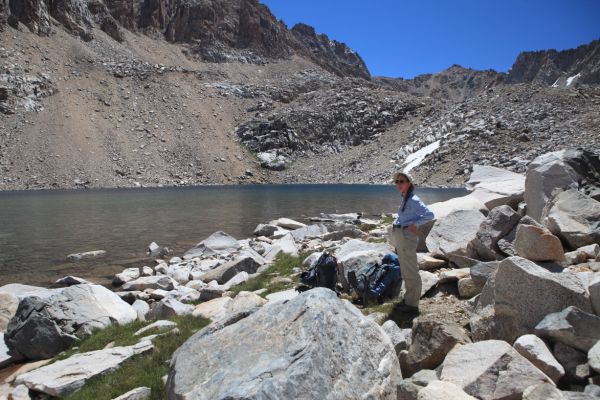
[{"x": 38, "y": 229}]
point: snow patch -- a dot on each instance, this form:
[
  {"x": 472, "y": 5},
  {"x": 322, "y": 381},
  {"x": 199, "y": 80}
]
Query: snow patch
[
  {"x": 571, "y": 78},
  {"x": 414, "y": 159}
]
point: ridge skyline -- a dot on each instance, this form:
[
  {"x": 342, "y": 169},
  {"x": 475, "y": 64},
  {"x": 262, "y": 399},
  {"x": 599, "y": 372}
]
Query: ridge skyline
[{"x": 498, "y": 43}]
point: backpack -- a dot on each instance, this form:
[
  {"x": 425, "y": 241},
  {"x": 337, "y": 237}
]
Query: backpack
[
  {"x": 323, "y": 273},
  {"x": 379, "y": 281}
]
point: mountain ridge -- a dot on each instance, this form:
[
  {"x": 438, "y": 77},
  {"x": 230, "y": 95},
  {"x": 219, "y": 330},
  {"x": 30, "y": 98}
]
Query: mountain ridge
[{"x": 98, "y": 102}]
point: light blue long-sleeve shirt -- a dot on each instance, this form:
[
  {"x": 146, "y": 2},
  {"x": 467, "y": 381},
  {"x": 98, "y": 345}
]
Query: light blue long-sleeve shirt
[{"x": 416, "y": 212}]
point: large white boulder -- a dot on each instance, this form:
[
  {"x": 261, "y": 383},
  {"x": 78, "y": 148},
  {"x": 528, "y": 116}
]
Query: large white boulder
[
  {"x": 452, "y": 234},
  {"x": 43, "y": 328},
  {"x": 519, "y": 294},
  {"x": 496, "y": 186},
  {"x": 291, "y": 359},
  {"x": 564, "y": 169},
  {"x": 574, "y": 217}
]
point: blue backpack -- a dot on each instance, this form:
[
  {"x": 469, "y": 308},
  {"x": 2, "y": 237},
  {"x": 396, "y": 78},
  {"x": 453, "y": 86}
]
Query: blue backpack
[{"x": 378, "y": 281}]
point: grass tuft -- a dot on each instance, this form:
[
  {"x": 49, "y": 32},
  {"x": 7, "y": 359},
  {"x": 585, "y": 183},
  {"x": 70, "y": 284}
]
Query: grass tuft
[
  {"x": 282, "y": 267},
  {"x": 141, "y": 370}
]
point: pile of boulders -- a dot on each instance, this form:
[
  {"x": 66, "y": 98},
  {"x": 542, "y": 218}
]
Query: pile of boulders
[
  {"x": 527, "y": 274},
  {"x": 507, "y": 126},
  {"x": 20, "y": 89},
  {"x": 531, "y": 294},
  {"x": 326, "y": 120}
]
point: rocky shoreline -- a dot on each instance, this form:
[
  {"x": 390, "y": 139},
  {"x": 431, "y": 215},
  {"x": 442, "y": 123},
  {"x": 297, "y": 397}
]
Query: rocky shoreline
[{"x": 510, "y": 306}]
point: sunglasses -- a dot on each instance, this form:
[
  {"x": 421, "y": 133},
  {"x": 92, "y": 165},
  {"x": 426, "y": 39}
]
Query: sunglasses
[{"x": 401, "y": 181}]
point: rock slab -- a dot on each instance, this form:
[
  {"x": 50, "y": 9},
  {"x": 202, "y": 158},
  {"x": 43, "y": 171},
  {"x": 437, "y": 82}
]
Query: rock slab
[{"x": 68, "y": 375}]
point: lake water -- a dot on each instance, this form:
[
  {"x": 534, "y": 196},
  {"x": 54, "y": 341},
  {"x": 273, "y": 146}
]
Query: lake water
[{"x": 38, "y": 229}]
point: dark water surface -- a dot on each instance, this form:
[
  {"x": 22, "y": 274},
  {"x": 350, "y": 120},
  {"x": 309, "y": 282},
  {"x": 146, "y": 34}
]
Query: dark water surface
[{"x": 38, "y": 229}]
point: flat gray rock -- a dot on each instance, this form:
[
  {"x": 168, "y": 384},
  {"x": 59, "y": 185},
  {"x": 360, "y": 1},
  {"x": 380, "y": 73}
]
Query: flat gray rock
[
  {"x": 490, "y": 369},
  {"x": 151, "y": 282},
  {"x": 215, "y": 243},
  {"x": 86, "y": 255},
  {"x": 22, "y": 291},
  {"x": 571, "y": 326},
  {"x": 314, "y": 346},
  {"x": 453, "y": 233},
  {"x": 500, "y": 186},
  {"x": 309, "y": 232},
  {"x": 140, "y": 393},
  {"x": 229, "y": 270},
  {"x": 574, "y": 218},
  {"x": 66, "y": 376},
  {"x": 535, "y": 350}
]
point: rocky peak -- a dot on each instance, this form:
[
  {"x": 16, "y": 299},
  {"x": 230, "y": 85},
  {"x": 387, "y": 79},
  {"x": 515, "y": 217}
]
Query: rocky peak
[
  {"x": 330, "y": 54},
  {"x": 455, "y": 83},
  {"x": 558, "y": 68},
  {"x": 216, "y": 30},
  {"x": 239, "y": 30}
]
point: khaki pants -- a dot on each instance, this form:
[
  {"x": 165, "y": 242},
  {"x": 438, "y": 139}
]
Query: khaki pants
[{"x": 406, "y": 243}]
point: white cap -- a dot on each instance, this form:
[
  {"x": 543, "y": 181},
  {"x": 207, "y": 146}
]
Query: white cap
[{"x": 406, "y": 174}]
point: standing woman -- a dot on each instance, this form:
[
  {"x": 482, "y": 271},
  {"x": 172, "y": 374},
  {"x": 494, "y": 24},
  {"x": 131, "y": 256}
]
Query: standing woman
[{"x": 404, "y": 237}]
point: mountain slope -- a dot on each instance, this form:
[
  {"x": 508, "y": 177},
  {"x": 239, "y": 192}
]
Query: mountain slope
[
  {"x": 186, "y": 92},
  {"x": 558, "y": 68}
]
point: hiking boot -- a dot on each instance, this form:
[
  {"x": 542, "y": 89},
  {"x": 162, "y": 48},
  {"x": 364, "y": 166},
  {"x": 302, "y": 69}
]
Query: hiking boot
[
  {"x": 352, "y": 279},
  {"x": 406, "y": 309}
]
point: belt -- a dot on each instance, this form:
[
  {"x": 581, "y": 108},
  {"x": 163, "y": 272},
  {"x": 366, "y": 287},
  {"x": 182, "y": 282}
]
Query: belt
[{"x": 394, "y": 226}]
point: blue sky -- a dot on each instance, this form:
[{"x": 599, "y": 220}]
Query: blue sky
[{"x": 400, "y": 38}]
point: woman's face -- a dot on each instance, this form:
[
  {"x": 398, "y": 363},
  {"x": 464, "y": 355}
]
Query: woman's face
[{"x": 402, "y": 183}]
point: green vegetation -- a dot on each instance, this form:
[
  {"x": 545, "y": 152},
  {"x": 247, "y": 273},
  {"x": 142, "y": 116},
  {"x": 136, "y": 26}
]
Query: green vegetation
[
  {"x": 388, "y": 219},
  {"x": 150, "y": 368},
  {"x": 141, "y": 370},
  {"x": 121, "y": 335},
  {"x": 281, "y": 268}
]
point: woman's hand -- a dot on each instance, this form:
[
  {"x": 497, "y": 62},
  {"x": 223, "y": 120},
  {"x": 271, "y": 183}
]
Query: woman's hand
[{"x": 412, "y": 228}]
